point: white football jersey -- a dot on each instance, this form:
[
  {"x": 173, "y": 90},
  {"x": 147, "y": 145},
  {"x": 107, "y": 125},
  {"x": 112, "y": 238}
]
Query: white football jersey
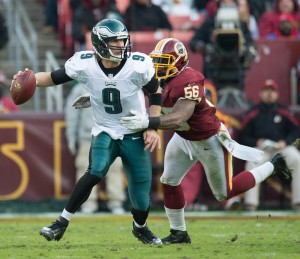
[{"x": 112, "y": 96}]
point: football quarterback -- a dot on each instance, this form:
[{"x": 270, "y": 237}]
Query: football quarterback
[{"x": 116, "y": 80}]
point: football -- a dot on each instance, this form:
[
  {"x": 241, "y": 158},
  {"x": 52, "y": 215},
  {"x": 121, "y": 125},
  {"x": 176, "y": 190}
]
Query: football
[{"x": 23, "y": 87}]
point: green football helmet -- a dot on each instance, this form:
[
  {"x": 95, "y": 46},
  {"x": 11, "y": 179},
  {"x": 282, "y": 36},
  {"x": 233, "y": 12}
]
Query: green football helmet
[{"x": 105, "y": 31}]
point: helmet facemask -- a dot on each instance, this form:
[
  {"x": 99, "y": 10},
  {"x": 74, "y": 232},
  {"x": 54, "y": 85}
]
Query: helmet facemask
[
  {"x": 164, "y": 65},
  {"x": 169, "y": 58},
  {"x": 106, "y": 51}
]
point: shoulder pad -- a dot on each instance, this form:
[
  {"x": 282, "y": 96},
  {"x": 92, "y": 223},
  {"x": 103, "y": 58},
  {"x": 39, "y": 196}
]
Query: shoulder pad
[
  {"x": 78, "y": 62},
  {"x": 141, "y": 62}
]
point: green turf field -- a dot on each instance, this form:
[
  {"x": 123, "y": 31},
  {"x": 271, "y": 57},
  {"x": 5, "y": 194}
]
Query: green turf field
[{"x": 255, "y": 236}]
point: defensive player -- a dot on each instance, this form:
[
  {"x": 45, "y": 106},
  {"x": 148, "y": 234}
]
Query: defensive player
[
  {"x": 116, "y": 80},
  {"x": 199, "y": 136}
]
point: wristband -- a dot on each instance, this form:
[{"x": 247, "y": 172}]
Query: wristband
[
  {"x": 154, "y": 122},
  {"x": 155, "y": 99}
]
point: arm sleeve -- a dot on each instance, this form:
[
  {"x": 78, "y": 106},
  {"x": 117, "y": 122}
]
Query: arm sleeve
[
  {"x": 155, "y": 99},
  {"x": 59, "y": 76}
]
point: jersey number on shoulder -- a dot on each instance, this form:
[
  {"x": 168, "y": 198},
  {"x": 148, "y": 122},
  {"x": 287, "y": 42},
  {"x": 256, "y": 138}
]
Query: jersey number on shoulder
[
  {"x": 111, "y": 98},
  {"x": 138, "y": 57},
  {"x": 86, "y": 55},
  {"x": 191, "y": 91}
]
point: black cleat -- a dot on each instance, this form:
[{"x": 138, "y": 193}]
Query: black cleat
[
  {"x": 145, "y": 235},
  {"x": 281, "y": 169},
  {"x": 56, "y": 230},
  {"x": 177, "y": 237}
]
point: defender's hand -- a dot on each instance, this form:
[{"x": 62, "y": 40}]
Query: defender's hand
[{"x": 134, "y": 122}]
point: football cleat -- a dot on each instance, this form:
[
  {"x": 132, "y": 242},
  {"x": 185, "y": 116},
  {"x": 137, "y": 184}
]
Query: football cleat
[
  {"x": 56, "y": 230},
  {"x": 233, "y": 204},
  {"x": 177, "y": 237},
  {"x": 145, "y": 235},
  {"x": 281, "y": 169}
]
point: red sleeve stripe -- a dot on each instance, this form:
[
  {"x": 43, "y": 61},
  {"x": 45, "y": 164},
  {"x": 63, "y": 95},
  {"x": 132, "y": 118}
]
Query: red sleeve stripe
[
  {"x": 251, "y": 115},
  {"x": 286, "y": 113}
]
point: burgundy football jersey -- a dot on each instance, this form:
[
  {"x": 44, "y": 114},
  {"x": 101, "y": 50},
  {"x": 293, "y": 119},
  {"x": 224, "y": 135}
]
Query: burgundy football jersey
[{"x": 189, "y": 85}]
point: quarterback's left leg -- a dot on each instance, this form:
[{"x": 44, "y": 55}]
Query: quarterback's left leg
[{"x": 138, "y": 169}]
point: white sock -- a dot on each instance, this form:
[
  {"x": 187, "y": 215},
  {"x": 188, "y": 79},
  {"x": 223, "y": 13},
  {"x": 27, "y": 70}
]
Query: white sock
[
  {"x": 262, "y": 172},
  {"x": 67, "y": 215},
  {"x": 176, "y": 218},
  {"x": 139, "y": 226}
]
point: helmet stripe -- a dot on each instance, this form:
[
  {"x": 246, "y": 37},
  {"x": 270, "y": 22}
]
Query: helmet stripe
[{"x": 161, "y": 44}]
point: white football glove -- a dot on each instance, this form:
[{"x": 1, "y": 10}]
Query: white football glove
[
  {"x": 135, "y": 121},
  {"x": 83, "y": 101}
]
